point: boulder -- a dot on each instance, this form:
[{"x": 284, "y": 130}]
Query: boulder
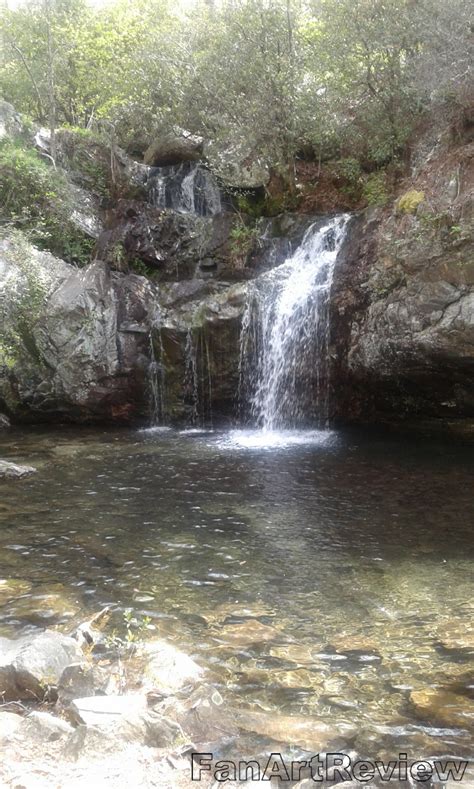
[
  {"x": 31, "y": 666},
  {"x": 10, "y": 470},
  {"x": 173, "y": 148},
  {"x": 85, "y": 353},
  {"x": 104, "y": 710},
  {"x": 11, "y": 123},
  {"x": 165, "y": 669}
]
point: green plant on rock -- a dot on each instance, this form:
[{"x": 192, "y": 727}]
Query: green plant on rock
[
  {"x": 409, "y": 202},
  {"x": 242, "y": 239},
  {"x": 375, "y": 190},
  {"x": 35, "y": 198}
]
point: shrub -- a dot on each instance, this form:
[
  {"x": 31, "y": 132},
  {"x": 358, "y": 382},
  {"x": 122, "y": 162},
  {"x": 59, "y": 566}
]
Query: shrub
[
  {"x": 409, "y": 202},
  {"x": 35, "y": 198},
  {"x": 375, "y": 189}
]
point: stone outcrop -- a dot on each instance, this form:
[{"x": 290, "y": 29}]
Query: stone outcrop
[
  {"x": 402, "y": 323},
  {"x": 174, "y": 148},
  {"x": 80, "y": 350}
]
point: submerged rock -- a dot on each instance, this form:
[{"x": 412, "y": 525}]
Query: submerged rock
[
  {"x": 309, "y": 733},
  {"x": 165, "y": 669},
  {"x": 10, "y": 470},
  {"x": 443, "y": 707}
]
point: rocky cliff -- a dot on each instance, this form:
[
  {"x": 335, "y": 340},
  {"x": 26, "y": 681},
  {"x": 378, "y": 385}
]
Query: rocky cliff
[
  {"x": 102, "y": 343},
  {"x": 403, "y": 296}
]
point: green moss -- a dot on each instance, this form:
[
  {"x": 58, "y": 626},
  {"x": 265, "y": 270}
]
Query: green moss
[{"x": 409, "y": 202}]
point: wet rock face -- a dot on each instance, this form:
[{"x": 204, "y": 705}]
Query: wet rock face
[
  {"x": 177, "y": 246},
  {"x": 403, "y": 304},
  {"x": 83, "y": 352},
  {"x": 197, "y": 344}
]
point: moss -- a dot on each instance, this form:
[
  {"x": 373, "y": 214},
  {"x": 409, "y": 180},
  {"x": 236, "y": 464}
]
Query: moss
[{"x": 409, "y": 202}]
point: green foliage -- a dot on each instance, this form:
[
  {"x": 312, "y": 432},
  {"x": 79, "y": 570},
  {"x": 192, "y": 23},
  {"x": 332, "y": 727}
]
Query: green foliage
[
  {"x": 242, "y": 240},
  {"x": 22, "y": 301},
  {"x": 84, "y": 151},
  {"x": 35, "y": 197},
  {"x": 375, "y": 190}
]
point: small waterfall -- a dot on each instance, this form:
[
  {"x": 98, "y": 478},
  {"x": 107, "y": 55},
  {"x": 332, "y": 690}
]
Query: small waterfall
[
  {"x": 191, "y": 377},
  {"x": 197, "y": 378},
  {"x": 156, "y": 376},
  {"x": 284, "y": 360},
  {"x": 187, "y": 188}
]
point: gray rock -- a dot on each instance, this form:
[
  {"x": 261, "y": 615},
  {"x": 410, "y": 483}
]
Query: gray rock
[
  {"x": 85, "y": 356},
  {"x": 173, "y": 148},
  {"x": 10, "y": 470},
  {"x": 45, "y": 727},
  {"x": 30, "y": 667},
  {"x": 166, "y": 669},
  {"x": 104, "y": 710},
  {"x": 9, "y": 723}
]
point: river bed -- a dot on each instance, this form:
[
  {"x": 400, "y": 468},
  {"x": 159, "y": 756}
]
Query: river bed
[{"x": 321, "y": 573}]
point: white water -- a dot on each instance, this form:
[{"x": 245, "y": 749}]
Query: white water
[{"x": 284, "y": 362}]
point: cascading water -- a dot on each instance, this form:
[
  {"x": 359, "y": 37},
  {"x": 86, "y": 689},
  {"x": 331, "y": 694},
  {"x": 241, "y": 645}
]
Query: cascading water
[
  {"x": 186, "y": 188},
  {"x": 156, "y": 375},
  {"x": 284, "y": 359}
]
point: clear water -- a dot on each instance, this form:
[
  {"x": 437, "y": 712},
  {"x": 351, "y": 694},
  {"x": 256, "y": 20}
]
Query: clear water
[{"x": 354, "y": 552}]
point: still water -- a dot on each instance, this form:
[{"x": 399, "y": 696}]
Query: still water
[{"x": 323, "y": 574}]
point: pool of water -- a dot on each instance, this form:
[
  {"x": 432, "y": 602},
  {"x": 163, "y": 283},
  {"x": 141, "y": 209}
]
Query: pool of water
[{"x": 322, "y": 574}]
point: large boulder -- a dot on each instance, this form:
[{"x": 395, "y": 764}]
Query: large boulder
[
  {"x": 173, "y": 148},
  {"x": 81, "y": 351},
  {"x": 30, "y": 667}
]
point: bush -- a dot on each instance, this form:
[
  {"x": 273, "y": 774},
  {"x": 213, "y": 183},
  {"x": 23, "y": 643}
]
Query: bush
[
  {"x": 375, "y": 189},
  {"x": 35, "y": 198},
  {"x": 409, "y": 202}
]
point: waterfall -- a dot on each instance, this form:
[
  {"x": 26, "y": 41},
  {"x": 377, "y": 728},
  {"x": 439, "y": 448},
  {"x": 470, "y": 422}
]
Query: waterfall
[
  {"x": 284, "y": 355},
  {"x": 197, "y": 384},
  {"x": 186, "y": 188},
  {"x": 156, "y": 376}
]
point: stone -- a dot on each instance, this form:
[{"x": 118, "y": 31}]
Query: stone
[
  {"x": 13, "y": 587},
  {"x": 9, "y": 723},
  {"x": 90, "y": 338},
  {"x": 443, "y": 707},
  {"x": 31, "y": 666},
  {"x": 4, "y": 422},
  {"x": 174, "y": 148},
  {"x": 104, "y": 710},
  {"x": 45, "y": 727},
  {"x": 9, "y": 470},
  {"x": 204, "y": 717},
  {"x": 306, "y": 732},
  {"x": 165, "y": 669},
  {"x": 250, "y": 632},
  {"x": 80, "y": 680}
]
